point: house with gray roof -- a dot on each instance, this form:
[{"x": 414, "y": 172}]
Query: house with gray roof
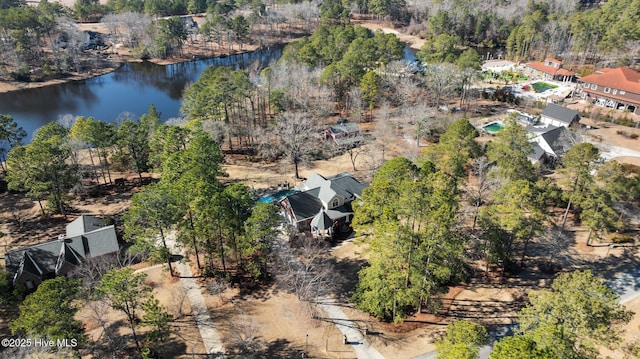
[
  {"x": 550, "y": 143},
  {"x": 345, "y": 134},
  {"x": 86, "y": 237},
  {"x": 323, "y": 205},
  {"x": 559, "y": 116}
]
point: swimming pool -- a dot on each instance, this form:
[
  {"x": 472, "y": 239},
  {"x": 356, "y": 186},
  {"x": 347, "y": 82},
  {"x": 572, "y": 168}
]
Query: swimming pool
[
  {"x": 277, "y": 197},
  {"x": 540, "y": 87},
  {"x": 493, "y": 127}
]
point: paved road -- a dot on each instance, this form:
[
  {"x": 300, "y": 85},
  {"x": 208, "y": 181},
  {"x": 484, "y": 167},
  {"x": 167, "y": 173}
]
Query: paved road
[
  {"x": 608, "y": 152},
  {"x": 626, "y": 285},
  {"x": 210, "y": 336},
  {"x": 363, "y": 349}
]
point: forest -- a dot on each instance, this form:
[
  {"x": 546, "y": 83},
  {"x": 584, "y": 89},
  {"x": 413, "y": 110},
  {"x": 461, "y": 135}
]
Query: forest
[
  {"x": 412, "y": 214},
  {"x": 40, "y": 42}
]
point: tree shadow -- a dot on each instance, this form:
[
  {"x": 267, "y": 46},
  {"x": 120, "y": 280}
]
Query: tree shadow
[
  {"x": 280, "y": 348},
  {"x": 249, "y": 287},
  {"x": 345, "y": 282}
]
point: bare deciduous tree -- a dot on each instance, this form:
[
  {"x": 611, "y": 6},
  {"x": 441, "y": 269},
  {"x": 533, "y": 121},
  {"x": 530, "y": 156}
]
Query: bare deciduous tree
[
  {"x": 293, "y": 136},
  {"x": 245, "y": 339},
  {"x": 92, "y": 269},
  {"x": 178, "y": 298},
  {"x": 480, "y": 189},
  {"x": 304, "y": 270},
  {"x": 109, "y": 342}
]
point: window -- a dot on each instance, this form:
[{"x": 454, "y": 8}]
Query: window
[
  {"x": 594, "y": 86},
  {"x": 607, "y": 90},
  {"x": 614, "y": 91},
  {"x": 622, "y": 92},
  {"x": 585, "y": 85},
  {"x": 335, "y": 203},
  {"x": 29, "y": 284}
]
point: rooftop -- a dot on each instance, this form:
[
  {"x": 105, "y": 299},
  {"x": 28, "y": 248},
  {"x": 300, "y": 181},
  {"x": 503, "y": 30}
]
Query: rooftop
[{"x": 621, "y": 78}]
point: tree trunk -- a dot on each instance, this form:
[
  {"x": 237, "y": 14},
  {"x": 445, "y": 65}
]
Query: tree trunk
[
  {"x": 93, "y": 165},
  {"x": 221, "y": 242},
  {"x": 564, "y": 218},
  {"x": 41, "y": 208},
  {"x": 295, "y": 164},
  {"x": 135, "y": 335},
  {"x": 195, "y": 244},
  {"x": 106, "y": 163},
  {"x": 164, "y": 243}
]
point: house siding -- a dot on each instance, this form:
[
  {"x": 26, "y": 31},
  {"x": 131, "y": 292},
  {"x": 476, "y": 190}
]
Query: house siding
[{"x": 629, "y": 102}]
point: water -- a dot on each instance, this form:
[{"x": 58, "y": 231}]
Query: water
[
  {"x": 493, "y": 127},
  {"x": 409, "y": 54},
  {"x": 127, "y": 91}
]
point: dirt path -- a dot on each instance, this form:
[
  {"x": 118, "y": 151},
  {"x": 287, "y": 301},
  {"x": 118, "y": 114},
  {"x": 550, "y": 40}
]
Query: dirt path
[{"x": 413, "y": 41}]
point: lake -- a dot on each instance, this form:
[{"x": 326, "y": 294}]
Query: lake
[{"x": 126, "y": 92}]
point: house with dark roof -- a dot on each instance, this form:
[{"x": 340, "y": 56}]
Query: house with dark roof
[
  {"x": 323, "y": 205},
  {"x": 559, "y": 116},
  {"x": 86, "y": 237},
  {"x": 617, "y": 88},
  {"x": 550, "y": 143},
  {"x": 346, "y": 134},
  {"x": 551, "y": 69}
]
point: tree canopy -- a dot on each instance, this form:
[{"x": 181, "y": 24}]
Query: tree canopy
[
  {"x": 49, "y": 312},
  {"x": 577, "y": 313}
]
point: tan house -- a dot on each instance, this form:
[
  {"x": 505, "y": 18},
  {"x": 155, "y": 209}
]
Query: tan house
[
  {"x": 617, "y": 88},
  {"x": 551, "y": 69}
]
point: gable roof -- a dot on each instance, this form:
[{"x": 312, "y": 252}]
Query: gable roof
[
  {"x": 318, "y": 191},
  {"x": 558, "y": 140},
  {"x": 306, "y": 204},
  {"x": 322, "y": 221},
  {"x": 555, "y": 141},
  {"x": 70, "y": 255},
  {"x": 560, "y": 113},
  {"x": 348, "y": 127},
  {"x": 347, "y": 182},
  {"x": 621, "y": 78},
  {"x": 30, "y": 265},
  {"x": 46, "y": 258},
  {"x": 551, "y": 70},
  {"x": 536, "y": 153},
  {"x": 44, "y": 254},
  {"x": 343, "y": 184},
  {"x": 316, "y": 180},
  {"x": 84, "y": 224}
]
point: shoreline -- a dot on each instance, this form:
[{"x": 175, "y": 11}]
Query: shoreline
[
  {"x": 193, "y": 54},
  {"x": 14, "y": 86}
]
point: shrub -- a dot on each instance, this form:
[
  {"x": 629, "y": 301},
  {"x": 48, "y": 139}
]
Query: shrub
[{"x": 622, "y": 238}]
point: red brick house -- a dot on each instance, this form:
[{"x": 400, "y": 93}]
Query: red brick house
[
  {"x": 551, "y": 69},
  {"x": 617, "y": 88}
]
